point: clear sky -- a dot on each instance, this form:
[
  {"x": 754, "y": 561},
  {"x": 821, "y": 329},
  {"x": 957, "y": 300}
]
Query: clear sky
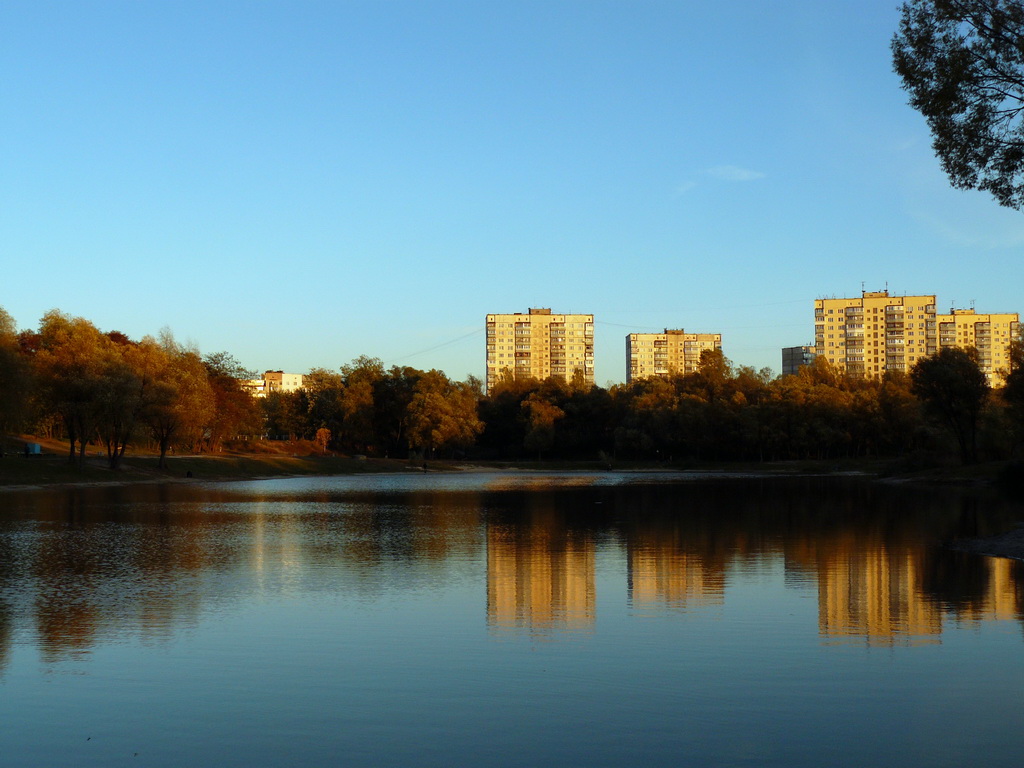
[{"x": 301, "y": 183}]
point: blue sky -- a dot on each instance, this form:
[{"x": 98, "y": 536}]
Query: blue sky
[{"x": 302, "y": 183}]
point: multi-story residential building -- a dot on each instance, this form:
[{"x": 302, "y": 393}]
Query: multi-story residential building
[
  {"x": 540, "y": 344},
  {"x": 279, "y": 381},
  {"x": 990, "y": 334},
  {"x": 274, "y": 381},
  {"x": 665, "y": 354},
  {"x": 875, "y": 333},
  {"x": 795, "y": 358}
]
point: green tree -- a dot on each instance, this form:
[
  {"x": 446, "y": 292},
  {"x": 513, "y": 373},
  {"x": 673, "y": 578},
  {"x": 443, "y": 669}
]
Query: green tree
[
  {"x": 953, "y": 389},
  {"x": 962, "y": 62}
]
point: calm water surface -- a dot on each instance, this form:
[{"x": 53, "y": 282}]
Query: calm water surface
[{"x": 505, "y": 620}]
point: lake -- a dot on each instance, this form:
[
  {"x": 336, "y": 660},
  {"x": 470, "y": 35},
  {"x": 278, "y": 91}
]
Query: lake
[{"x": 507, "y": 619}]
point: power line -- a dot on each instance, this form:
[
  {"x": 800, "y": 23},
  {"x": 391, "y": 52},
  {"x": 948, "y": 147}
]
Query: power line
[{"x": 475, "y": 332}]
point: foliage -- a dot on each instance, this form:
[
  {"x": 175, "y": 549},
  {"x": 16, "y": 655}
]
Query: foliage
[
  {"x": 88, "y": 386},
  {"x": 442, "y": 415},
  {"x": 953, "y": 389},
  {"x": 235, "y": 412},
  {"x": 962, "y": 61},
  {"x": 15, "y": 377}
]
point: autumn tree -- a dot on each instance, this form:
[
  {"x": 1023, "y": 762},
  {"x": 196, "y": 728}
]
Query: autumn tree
[
  {"x": 962, "y": 62},
  {"x": 126, "y": 387},
  {"x": 321, "y": 396},
  {"x": 182, "y": 401},
  {"x": 361, "y": 377},
  {"x": 15, "y": 377},
  {"x": 70, "y": 362},
  {"x": 235, "y": 411},
  {"x": 442, "y": 414},
  {"x": 391, "y": 399},
  {"x": 953, "y": 389},
  {"x": 541, "y": 415}
]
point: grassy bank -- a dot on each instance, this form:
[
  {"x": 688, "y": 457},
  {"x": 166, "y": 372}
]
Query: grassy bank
[
  {"x": 283, "y": 459},
  {"x": 296, "y": 458}
]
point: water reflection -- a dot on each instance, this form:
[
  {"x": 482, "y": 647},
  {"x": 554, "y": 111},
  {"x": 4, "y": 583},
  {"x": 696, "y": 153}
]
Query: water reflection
[
  {"x": 89, "y": 565},
  {"x": 540, "y": 573}
]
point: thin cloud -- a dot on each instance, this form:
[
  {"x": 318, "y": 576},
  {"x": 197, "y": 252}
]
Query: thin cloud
[
  {"x": 733, "y": 173},
  {"x": 685, "y": 187}
]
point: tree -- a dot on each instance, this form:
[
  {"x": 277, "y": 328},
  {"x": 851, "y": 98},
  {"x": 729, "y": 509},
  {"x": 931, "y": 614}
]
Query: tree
[
  {"x": 962, "y": 61},
  {"x": 182, "y": 401},
  {"x": 361, "y": 378},
  {"x": 127, "y": 382},
  {"x": 953, "y": 389},
  {"x": 1013, "y": 392},
  {"x": 442, "y": 414},
  {"x": 235, "y": 411},
  {"x": 70, "y": 361},
  {"x": 14, "y": 376},
  {"x": 323, "y": 437},
  {"x": 541, "y": 415}
]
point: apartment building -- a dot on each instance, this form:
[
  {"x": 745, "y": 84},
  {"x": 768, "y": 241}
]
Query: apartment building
[
  {"x": 990, "y": 334},
  {"x": 795, "y": 358},
  {"x": 874, "y": 333},
  {"x": 274, "y": 381},
  {"x": 279, "y": 381},
  {"x": 665, "y": 354},
  {"x": 539, "y": 344}
]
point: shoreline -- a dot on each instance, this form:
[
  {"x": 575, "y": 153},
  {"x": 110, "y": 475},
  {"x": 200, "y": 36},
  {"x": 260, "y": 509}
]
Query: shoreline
[
  {"x": 1009, "y": 545},
  {"x": 52, "y": 473}
]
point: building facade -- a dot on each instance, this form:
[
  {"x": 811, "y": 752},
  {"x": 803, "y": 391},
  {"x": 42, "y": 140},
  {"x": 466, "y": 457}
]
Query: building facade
[
  {"x": 795, "y": 358},
  {"x": 666, "y": 354},
  {"x": 874, "y": 333},
  {"x": 990, "y": 334},
  {"x": 539, "y": 344},
  {"x": 279, "y": 381},
  {"x": 274, "y": 381}
]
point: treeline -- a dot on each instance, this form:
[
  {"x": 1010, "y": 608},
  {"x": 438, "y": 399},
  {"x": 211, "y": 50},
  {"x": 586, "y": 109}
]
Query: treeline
[{"x": 70, "y": 380}]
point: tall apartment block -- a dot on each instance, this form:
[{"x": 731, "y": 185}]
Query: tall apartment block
[
  {"x": 795, "y": 358},
  {"x": 879, "y": 332},
  {"x": 875, "y": 333},
  {"x": 990, "y": 334},
  {"x": 665, "y": 354},
  {"x": 539, "y": 344}
]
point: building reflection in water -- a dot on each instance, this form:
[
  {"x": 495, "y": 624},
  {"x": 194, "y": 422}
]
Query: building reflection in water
[
  {"x": 80, "y": 568},
  {"x": 664, "y": 576},
  {"x": 540, "y": 574},
  {"x": 875, "y": 596}
]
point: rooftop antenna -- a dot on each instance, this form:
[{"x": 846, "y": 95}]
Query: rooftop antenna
[{"x": 972, "y": 303}]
